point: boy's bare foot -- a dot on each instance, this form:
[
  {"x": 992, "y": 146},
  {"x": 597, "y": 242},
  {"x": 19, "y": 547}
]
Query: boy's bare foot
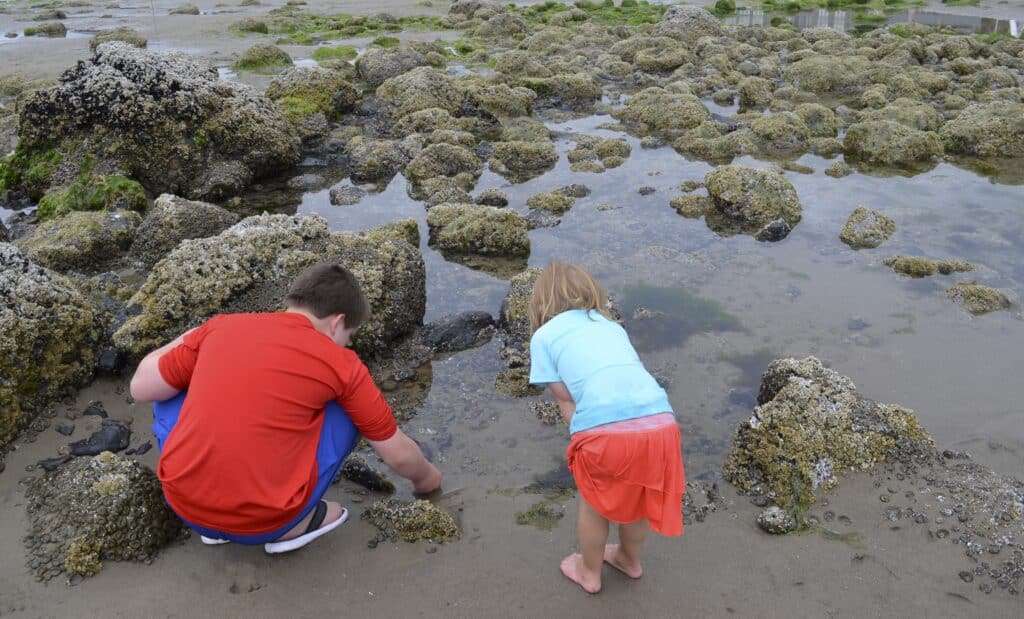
[
  {"x": 613, "y": 556},
  {"x": 574, "y": 570}
]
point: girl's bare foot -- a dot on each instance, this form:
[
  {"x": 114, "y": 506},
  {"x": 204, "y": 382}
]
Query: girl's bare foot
[
  {"x": 614, "y": 557},
  {"x": 574, "y": 570}
]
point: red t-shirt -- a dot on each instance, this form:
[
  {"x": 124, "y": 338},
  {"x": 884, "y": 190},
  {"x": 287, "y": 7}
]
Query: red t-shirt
[{"x": 242, "y": 457}]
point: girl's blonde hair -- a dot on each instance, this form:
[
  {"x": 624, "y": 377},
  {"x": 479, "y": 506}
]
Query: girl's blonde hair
[{"x": 561, "y": 287}]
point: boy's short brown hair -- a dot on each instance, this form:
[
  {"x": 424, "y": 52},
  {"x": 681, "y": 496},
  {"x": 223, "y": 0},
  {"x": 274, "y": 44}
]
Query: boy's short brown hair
[{"x": 328, "y": 288}]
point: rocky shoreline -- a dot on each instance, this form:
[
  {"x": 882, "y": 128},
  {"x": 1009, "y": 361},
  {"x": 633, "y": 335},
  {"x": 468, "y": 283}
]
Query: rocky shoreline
[{"x": 140, "y": 165}]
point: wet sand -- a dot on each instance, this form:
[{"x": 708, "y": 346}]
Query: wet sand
[{"x": 724, "y": 566}]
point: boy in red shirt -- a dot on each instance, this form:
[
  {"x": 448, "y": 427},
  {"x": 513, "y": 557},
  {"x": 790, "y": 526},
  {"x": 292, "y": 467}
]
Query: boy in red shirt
[{"x": 248, "y": 446}]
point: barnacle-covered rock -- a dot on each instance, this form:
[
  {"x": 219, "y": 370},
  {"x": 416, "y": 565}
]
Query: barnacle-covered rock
[
  {"x": 379, "y": 64},
  {"x": 521, "y": 161},
  {"x": 373, "y": 160},
  {"x": 820, "y": 120},
  {"x": 687, "y": 23},
  {"x": 475, "y": 229},
  {"x": 986, "y": 130},
  {"x": 356, "y": 469},
  {"x": 779, "y": 133},
  {"x": 412, "y": 521},
  {"x": 866, "y": 228},
  {"x": 809, "y": 424},
  {"x": 755, "y": 93},
  {"x": 49, "y": 340},
  {"x": 82, "y": 240},
  {"x": 555, "y": 201},
  {"x": 691, "y": 206},
  {"x": 164, "y": 119},
  {"x": 500, "y": 100},
  {"x": 920, "y": 116},
  {"x": 747, "y": 200},
  {"x": 263, "y": 56},
  {"x": 777, "y": 521},
  {"x": 658, "y": 110},
  {"x": 172, "y": 220},
  {"x": 96, "y": 509},
  {"x": 977, "y": 298},
  {"x": 443, "y": 160},
  {"x": 890, "y": 143},
  {"x": 248, "y": 268},
  {"x": 419, "y": 89},
  {"x": 492, "y": 197}
]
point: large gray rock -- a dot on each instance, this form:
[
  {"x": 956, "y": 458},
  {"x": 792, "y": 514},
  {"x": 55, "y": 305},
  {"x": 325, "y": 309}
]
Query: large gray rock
[
  {"x": 378, "y": 64},
  {"x": 687, "y": 23},
  {"x": 172, "y": 220},
  {"x": 49, "y": 340},
  {"x": 165, "y": 119},
  {"x": 249, "y": 266}
]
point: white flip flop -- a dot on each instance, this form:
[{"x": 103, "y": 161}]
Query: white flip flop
[
  {"x": 213, "y": 541},
  {"x": 312, "y": 532}
]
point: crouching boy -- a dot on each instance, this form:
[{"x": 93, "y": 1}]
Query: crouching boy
[{"x": 254, "y": 414}]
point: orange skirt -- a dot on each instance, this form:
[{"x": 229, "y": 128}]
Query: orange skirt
[{"x": 630, "y": 471}]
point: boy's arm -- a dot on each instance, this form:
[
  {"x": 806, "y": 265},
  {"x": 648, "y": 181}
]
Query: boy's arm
[
  {"x": 564, "y": 399},
  {"x": 148, "y": 385},
  {"x": 404, "y": 457}
]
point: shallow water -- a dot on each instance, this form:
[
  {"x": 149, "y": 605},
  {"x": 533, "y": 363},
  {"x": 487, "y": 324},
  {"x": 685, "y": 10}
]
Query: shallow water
[{"x": 722, "y": 308}]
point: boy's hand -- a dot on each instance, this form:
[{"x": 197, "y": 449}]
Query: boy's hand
[{"x": 428, "y": 485}]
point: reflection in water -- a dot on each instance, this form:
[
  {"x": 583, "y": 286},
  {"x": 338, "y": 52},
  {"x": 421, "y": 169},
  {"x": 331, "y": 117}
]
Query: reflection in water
[{"x": 844, "y": 21}]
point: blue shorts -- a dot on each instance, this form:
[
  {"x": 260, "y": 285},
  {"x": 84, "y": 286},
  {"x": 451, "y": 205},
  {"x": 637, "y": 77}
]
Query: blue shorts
[{"x": 337, "y": 440}]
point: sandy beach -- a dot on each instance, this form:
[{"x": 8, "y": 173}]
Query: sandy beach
[{"x": 859, "y": 561}]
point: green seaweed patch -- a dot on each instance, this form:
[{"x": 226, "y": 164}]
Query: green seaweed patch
[
  {"x": 93, "y": 192},
  {"x": 724, "y": 7},
  {"x": 263, "y": 56},
  {"x": 341, "y": 52},
  {"x": 309, "y": 28},
  {"x": 297, "y": 108},
  {"x": 28, "y": 170},
  {"x": 630, "y": 12},
  {"x": 856, "y": 6},
  {"x": 544, "y": 514},
  {"x": 386, "y": 42},
  {"x": 661, "y": 316},
  {"x": 961, "y": 2}
]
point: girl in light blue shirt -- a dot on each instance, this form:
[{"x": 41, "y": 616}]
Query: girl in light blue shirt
[{"x": 625, "y": 452}]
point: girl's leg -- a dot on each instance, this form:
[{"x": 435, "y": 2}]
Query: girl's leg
[
  {"x": 625, "y": 556},
  {"x": 584, "y": 567}
]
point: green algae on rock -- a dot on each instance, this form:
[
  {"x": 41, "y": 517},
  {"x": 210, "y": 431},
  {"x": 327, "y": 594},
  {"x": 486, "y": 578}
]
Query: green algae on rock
[
  {"x": 53, "y": 29},
  {"x": 839, "y": 169},
  {"x": 202, "y": 138},
  {"x": 29, "y": 170},
  {"x": 917, "y": 266},
  {"x": 95, "y": 509},
  {"x": 657, "y": 110},
  {"x": 748, "y": 200},
  {"x": 93, "y": 192},
  {"x": 312, "y": 89},
  {"x": 544, "y": 514},
  {"x": 250, "y": 24},
  {"x": 691, "y": 206},
  {"x": 263, "y": 56},
  {"x": 124, "y": 35},
  {"x": 474, "y": 229},
  {"x": 248, "y": 267},
  {"x": 412, "y": 521},
  {"x": 866, "y": 228},
  {"x": 986, "y": 130},
  {"x": 554, "y": 201},
  {"x": 81, "y": 241},
  {"x": 43, "y": 353},
  {"x": 810, "y": 423},
  {"x": 977, "y": 298}
]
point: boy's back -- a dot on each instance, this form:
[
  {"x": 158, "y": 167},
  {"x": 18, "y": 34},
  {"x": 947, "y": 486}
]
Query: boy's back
[{"x": 246, "y": 440}]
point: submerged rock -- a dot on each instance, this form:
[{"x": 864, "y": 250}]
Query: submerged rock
[
  {"x": 810, "y": 423},
  {"x": 413, "y": 521},
  {"x": 916, "y": 266},
  {"x": 978, "y": 299},
  {"x": 691, "y": 206},
  {"x": 474, "y": 229},
  {"x": 249, "y": 266},
  {"x": 172, "y": 220},
  {"x": 459, "y": 332},
  {"x": 96, "y": 509},
  {"x": 866, "y": 228},
  {"x": 165, "y": 119},
  {"x": 747, "y": 200},
  {"x": 43, "y": 352}
]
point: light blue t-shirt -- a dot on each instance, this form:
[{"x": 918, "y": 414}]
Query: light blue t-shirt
[{"x": 594, "y": 358}]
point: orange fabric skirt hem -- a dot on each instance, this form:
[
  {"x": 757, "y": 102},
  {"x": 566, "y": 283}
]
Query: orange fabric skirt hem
[{"x": 631, "y": 476}]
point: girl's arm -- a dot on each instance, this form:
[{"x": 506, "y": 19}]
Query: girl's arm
[{"x": 564, "y": 399}]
